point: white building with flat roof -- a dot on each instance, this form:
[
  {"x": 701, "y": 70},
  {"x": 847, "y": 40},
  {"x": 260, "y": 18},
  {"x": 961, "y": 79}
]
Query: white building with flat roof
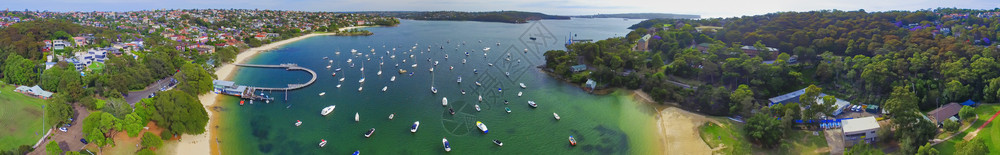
[{"x": 859, "y": 130}]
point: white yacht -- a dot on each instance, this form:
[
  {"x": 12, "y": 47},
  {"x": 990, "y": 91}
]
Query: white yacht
[
  {"x": 393, "y": 79},
  {"x": 444, "y": 101},
  {"x": 327, "y": 110},
  {"x": 357, "y": 117},
  {"x": 522, "y": 86}
]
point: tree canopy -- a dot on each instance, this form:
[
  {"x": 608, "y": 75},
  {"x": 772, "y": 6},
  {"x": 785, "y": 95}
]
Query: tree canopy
[{"x": 179, "y": 112}]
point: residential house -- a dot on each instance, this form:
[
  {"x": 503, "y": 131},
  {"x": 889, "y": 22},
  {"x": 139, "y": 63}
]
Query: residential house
[
  {"x": 80, "y": 41},
  {"x": 34, "y": 91},
  {"x": 860, "y": 130},
  {"x": 228, "y": 87},
  {"x": 590, "y": 84},
  {"x": 578, "y": 68},
  {"x": 753, "y": 51},
  {"x": 944, "y": 113}
]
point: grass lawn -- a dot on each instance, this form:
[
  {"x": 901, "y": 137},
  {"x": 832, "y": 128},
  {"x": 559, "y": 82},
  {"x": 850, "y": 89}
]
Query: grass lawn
[
  {"x": 990, "y": 133},
  {"x": 802, "y": 142},
  {"x": 21, "y": 118},
  {"x": 730, "y": 136}
]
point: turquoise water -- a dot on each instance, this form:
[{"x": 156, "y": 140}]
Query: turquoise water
[{"x": 609, "y": 124}]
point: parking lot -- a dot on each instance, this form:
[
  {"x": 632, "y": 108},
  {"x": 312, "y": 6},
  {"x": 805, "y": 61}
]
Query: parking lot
[{"x": 70, "y": 140}]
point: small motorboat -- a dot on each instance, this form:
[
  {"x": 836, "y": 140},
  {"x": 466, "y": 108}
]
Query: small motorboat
[
  {"x": 392, "y": 115},
  {"x": 362, "y": 80},
  {"x": 497, "y": 142},
  {"x": 327, "y": 110},
  {"x": 482, "y": 127},
  {"x": 334, "y": 74},
  {"x": 379, "y": 73},
  {"x": 349, "y": 60},
  {"x": 556, "y": 115},
  {"x": 466, "y": 53},
  {"x": 532, "y": 38},
  {"x": 451, "y": 67},
  {"x": 478, "y": 84},
  {"x": 477, "y": 108},
  {"x": 463, "y": 91},
  {"x": 336, "y": 70},
  {"x": 384, "y": 88},
  {"x": 500, "y": 90},
  {"x": 411, "y": 73},
  {"x": 369, "y": 133},
  {"x": 414, "y": 127},
  {"x": 241, "y": 102},
  {"x": 322, "y": 93},
  {"x": 480, "y": 98},
  {"x": 357, "y": 152},
  {"x": 298, "y": 123},
  {"x": 452, "y": 111},
  {"x": 444, "y": 101},
  {"x": 487, "y": 49},
  {"x": 360, "y": 88},
  {"x": 532, "y": 104},
  {"x": 491, "y": 64},
  {"x": 507, "y": 73},
  {"x": 523, "y": 86},
  {"x": 324, "y": 58},
  {"x": 393, "y": 79},
  {"x": 322, "y": 142},
  {"x": 432, "y": 69},
  {"x": 328, "y": 66},
  {"x": 447, "y": 147},
  {"x": 519, "y": 94},
  {"x": 434, "y": 90},
  {"x": 572, "y": 141},
  {"x": 338, "y": 85},
  {"x": 474, "y": 71},
  {"x": 342, "y": 79},
  {"x": 435, "y": 63},
  {"x": 505, "y": 102},
  {"x": 357, "y": 117},
  {"x": 401, "y": 71},
  {"x": 463, "y": 60},
  {"x": 507, "y": 108},
  {"x": 460, "y": 79},
  {"x": 414, "y": 65}
]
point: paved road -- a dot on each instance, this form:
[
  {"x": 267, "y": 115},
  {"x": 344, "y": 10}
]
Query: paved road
[
  {"x": 68, "y": 141},
  {"x": 135, "y": 96}
]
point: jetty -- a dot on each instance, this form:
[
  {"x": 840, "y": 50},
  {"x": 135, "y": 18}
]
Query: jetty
[{"x": 249, "y": 92}]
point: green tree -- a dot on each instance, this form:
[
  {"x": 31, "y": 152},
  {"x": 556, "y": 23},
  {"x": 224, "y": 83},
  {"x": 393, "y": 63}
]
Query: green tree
[
  {"x": 956, "y": 91},
  {"x": 179, "y": 112},
  {"x": 742, "y": 100},
  {"x": 976, "y": 146},
  {"x": 133, "y": 124},
  {"x": 950, "y": 125},
  {"x": 18, "y": 70},
  {"x": 764, "y": 130},
  {"x": 150, "y": 140},
  {"x": 53, "y": 148},
  {"x": 98, "y": 126},
  {"x": 967, "y": 112},
  {"x": 145, "y": 152},
  {"x": 810, "y": 107},
  {"x": 991, "y": 92},
  {"x": 863, "y": 149},
  {"x": 50, "y": 78},
  {"x": 194, "y": 79},
  {"x": 927, "y": 149},
  {"x": 58, "y": 110}
]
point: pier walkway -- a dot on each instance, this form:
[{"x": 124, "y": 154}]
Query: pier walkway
[{"x": 287, "y": 66}]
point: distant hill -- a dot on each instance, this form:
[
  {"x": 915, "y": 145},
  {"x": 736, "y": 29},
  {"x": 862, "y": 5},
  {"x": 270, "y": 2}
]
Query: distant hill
[
  {"x": 495, "y": 16},
  {"x": 641, "y": 16}
]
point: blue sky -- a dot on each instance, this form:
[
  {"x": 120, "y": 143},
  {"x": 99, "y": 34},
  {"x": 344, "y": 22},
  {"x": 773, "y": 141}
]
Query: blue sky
[{"x": 706, "y": 8}]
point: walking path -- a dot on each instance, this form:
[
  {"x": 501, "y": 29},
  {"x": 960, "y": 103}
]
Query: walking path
[{"x": 974, "y": 133}]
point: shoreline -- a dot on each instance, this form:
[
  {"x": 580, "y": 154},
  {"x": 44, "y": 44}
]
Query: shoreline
[{"x": 194, "y": 144}]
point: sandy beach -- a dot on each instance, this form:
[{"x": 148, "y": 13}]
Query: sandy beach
[{"x": 205, "y": 143}]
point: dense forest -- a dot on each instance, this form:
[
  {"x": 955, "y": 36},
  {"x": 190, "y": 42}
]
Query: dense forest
[
  {"x": 496, "y": 16},
  {"x": 905, "y": 61}
]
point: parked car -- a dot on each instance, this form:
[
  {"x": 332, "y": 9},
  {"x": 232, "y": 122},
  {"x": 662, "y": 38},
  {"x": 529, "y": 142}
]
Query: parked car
[
  {"x": 84, "y": 141},
  {"x": 63, "y": 129}
]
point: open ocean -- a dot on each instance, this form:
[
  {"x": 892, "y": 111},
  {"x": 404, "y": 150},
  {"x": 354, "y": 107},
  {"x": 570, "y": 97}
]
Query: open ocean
[{"x": 608, "y": 124}]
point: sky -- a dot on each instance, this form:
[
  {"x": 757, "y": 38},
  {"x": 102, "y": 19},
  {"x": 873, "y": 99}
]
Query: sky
[{"x": 705, "y": 8}]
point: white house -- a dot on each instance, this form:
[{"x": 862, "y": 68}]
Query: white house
[{"x": 860, "y": 130}]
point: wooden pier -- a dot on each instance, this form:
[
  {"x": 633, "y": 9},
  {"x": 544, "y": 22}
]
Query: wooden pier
[{"x": 250, "y": 92}]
